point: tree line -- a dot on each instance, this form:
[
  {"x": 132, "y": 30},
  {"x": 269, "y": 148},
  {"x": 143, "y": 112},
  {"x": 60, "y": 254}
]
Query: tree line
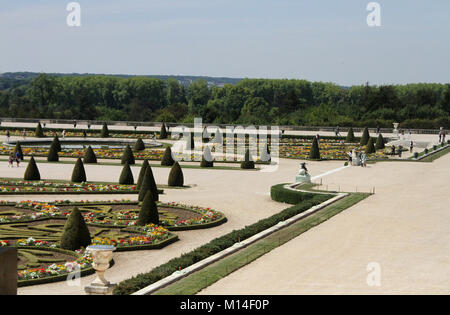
[{"x": 250, "y": 101}]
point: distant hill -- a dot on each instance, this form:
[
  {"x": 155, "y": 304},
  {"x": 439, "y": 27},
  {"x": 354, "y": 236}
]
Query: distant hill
[{"x": 14, "y": 79}]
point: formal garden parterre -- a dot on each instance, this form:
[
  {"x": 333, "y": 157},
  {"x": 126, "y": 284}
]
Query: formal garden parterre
[{"x": 35, "y": 228}]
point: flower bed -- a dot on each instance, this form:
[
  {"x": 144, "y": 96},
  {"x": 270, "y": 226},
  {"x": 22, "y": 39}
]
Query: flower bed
[{"x": 47, "y": 187}]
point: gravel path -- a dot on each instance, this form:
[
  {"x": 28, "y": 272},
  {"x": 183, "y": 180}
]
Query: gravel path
[{"x": 403, "y": 228}]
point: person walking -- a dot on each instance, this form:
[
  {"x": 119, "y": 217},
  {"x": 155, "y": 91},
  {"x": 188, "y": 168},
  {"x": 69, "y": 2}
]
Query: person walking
[
  {"x": 63, "y": 133},
  {"x": 17, "y": 159},
  {"x": 84, "y": 134},
  {"x": 336, "y": 132},
  {"x": 411, "y": 147},
  {"x": 363, "y": 160},
  {"x": 11, "y": 161},
  {"x": 7, "y": 136},
  {"x": 24, "y": 134}
]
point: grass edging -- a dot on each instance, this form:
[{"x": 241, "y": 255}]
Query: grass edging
[
  {"x": 195, "y": 282},
  {"x": 216, "y": 245},
  {"x": 234, "y": 248}
]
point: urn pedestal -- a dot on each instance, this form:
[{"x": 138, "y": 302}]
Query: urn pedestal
[{"x": 102, "y": 255}]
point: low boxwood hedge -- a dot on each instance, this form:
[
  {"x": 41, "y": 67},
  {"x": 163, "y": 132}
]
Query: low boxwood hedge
[{"x": 142, "y": 280}]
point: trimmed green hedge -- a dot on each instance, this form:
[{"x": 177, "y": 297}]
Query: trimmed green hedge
[
  {"x": 281, "y": 194},
  {"x": 142, "y": 280}
]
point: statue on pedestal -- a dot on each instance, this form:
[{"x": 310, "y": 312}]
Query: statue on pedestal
[
  {"x": 356, "y": 158},
  {"x": 303, "y": 176}
]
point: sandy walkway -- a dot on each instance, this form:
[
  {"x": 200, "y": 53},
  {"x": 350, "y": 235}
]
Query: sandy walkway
[
  {"x": 404, "y": 228},
  {"x": 242, "y": 195}
]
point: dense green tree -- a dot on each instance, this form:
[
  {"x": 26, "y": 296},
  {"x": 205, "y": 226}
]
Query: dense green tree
[
  {"x": 53, "y": 153},
  {"x": 39, "y": 132},
  {"x": 248, "y": 162},
  {"x": 128, "y": 156},
  {"x": 57, "y": 144},
  {"x": 149, "y": 210},
  {"x": 380, "y": 142},
  {"x": 163, "y": 132},
  {"x": 89, "y": 156},
  {"x": 32, "y": 171},
  {"x": 314, "y": 153},
  {"x": 207, "y": 158},
  {"x": 148, "y": 183},
  {"x": 139, "y": 145},
  {"x": 105, "y": 131},
  {"x": 370, "y": 147},
  {"x": 78, "y": 173},
  {"x": 176, "y": 178},
  {"x": 167, "y": 159},
  {"x": 75, "y": 234},
  {"x": 126, "y": 176},
  {"x": 142, "y": 174},
  {"x": 350, "y": 136},
  {"x": 365, "y": 137}
]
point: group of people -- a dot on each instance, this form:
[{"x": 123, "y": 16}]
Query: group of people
[
  {"x": 361, "y": 158},
  {"x": 17, "y": 158}
]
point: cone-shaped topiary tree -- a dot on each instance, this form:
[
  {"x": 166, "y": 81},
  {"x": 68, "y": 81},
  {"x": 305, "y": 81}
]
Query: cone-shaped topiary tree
[
  {"x": 163, "y": 132},
  {"x": 142, "y": 174},
  {"x": 76, "y": 233},
  {"x": 207, "y": 159},
  {"x": 128, "y": 156},
  {"x": 149, "y": 211},
  {"x": 39, "y": 133},
  {"x": 105, "y": 131},
  {"x": 248, "y": 162},
  {"x": 350, "y": 136},
  {"x": 167, "y": 159},
  {"x": 78, "y": 174},
  {"x": 218, "y": 137},
  {"x": 190, "y": 142},
  {"x": 370, "y": 147},
  {"x": 57, "y": 144},
  {"x": 89, "y": 156},
  {"x": 148, "y": 183},
  {"x": 314, "y": 153},
  {"x": 380, "y": 142},
  {"x": 126, "y": 177},
  {"x": 205, "y": 135},
  {"x": 53, "y": 153},
  {"x": 265, "y": 153},
  {"x": 176, "y": 178},
  {"x": 365, "y": 137},
  {"x": 18, "y": 148},
  {"x": 32, "y": 171},
  {"x": 139, "y": 145}
]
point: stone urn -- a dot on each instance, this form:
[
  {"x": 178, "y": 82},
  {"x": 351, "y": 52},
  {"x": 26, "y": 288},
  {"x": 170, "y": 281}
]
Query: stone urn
[
  {"x": 396, "y": 130},
  {"x": 102, "y": 255}
]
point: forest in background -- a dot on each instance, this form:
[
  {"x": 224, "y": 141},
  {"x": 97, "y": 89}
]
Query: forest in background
[{"x": 246, "y": 101}]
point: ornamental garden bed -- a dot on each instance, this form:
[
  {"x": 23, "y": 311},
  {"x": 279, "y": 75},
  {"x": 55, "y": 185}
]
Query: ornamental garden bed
[
  {"x": 36, "y": 227},
  {"x": 21, "y": 187}
]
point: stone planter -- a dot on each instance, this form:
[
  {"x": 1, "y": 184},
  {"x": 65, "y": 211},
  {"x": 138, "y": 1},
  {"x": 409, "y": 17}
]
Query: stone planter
[{"x": 102, "y": 255}]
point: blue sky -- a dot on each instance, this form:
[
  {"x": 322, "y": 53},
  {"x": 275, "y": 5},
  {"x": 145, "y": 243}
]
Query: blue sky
[{"x": 317, "y": 40}]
